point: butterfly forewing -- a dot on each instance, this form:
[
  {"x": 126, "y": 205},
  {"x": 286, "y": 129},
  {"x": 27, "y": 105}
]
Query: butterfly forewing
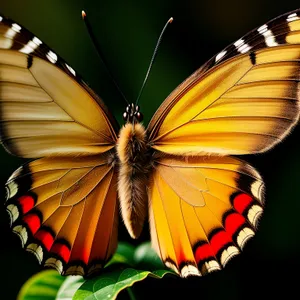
[
  {"x": 245, "y": 103},
  {"x": 46, "y": 108},
  {"x": 63, "y": 206}
]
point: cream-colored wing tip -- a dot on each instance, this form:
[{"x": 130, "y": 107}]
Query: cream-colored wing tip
[
  {"x": 83, "y": 14},
  {"x": 170, "y": 20}
]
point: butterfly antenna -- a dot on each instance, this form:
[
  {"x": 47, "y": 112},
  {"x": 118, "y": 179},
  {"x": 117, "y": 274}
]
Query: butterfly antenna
[
  {"x": 100, "y": 53},
  {"x": 153, "y": 58}
]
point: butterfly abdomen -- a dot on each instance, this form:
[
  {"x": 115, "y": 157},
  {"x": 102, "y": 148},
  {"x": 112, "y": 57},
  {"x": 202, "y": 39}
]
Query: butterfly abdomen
[{"x": 135, "y": 166}]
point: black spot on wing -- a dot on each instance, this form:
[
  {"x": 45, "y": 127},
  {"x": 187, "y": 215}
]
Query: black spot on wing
[
  {"x": 255, "y": 40},
  {"x": 244, "y": 183},
  {"x": 279, "y": 32},
  {"x": 252, "y": 56},
  {"x": 29, "y": 61}
]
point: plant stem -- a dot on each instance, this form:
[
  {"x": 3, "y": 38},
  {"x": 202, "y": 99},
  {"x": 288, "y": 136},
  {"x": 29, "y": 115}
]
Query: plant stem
[{"x": 130, "y": 293}]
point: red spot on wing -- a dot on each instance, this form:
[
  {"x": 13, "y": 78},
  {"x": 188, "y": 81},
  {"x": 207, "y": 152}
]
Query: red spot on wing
[
  {"x": 45, "y": 237},
  {"x": 219, "y": 240},
  {"x": 241, "y": 202},
  {"x": 180, "y": 255},
  {"x": 233, "y": 222},
  {"x": 62, "y": 250},
  {"x": 26, "y": 202},
  {"x": 33, "y": 222},
  {"x": 203, "y": 252}
]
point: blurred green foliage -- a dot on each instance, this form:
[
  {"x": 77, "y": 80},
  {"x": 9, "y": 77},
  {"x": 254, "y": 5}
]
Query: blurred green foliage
[{"x": 127, "y": 31}]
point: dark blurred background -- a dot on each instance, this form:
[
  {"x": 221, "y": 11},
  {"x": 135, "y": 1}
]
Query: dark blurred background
[{"x": 127, "y": 32}]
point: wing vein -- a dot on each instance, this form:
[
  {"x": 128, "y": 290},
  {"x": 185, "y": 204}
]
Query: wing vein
[
  {"x": 164, "y": 208},
  {"x": 90, "y": 129}
]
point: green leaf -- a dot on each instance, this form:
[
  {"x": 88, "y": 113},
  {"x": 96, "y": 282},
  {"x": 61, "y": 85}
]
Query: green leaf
[
  {"x": 124, "y": 255},
  {"x": 145, "y": 257},
  {"x": 44, "y": 285},
  {"x": 109, "y": 284},
  {"x": 69, "y": 287},
  {"x": 117, "y": 276}
]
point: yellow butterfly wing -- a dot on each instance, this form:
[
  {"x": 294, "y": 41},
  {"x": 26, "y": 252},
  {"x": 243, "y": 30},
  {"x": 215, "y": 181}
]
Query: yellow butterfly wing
[
  {"x": 46, "y": 109},
  {"x": 204, "y": 205},
  {"x": 202, "y": 211},
  {"x": 245, "y": 102},
  {"x": 63, "y": 206}
]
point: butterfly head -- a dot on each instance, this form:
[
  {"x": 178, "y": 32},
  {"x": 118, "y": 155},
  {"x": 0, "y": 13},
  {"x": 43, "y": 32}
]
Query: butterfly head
[{"x": 132, "y": 114}]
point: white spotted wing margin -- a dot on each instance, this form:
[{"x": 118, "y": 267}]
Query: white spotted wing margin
[{"x": 273, "y": 33}]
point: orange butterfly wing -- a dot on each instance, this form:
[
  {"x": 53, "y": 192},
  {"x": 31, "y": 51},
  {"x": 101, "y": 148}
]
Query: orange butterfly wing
[
  {"x": 65, "y": 212},
  {"x": 202, "y": 211},
  {"x": 204, "y": 205},
  {"x": 63, "y": 206}
]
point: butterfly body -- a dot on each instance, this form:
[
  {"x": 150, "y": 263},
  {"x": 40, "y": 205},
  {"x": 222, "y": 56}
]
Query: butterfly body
[
  {"x": 203, "y": 203},
  {"x": 135, "y": 166}
]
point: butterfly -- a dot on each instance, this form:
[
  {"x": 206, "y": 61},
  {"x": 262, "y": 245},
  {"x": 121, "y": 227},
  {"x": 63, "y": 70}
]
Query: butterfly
[{"x": 203, "y": 204}]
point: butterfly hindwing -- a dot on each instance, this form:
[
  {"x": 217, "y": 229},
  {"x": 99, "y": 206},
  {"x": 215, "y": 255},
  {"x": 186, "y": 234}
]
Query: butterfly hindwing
[
  {"x": 245, "y": 103},
  {"x": 202, "y": 211},
  {"x": 65, "y": 212},
  {"x": 46, "y": 109}
]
